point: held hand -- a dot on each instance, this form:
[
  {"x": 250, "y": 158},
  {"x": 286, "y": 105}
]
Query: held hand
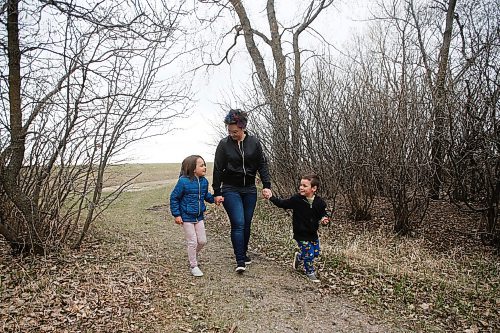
[
  {"x": 267, "y": 193},
  {"x": 325, "y": 220},
  {"x": 218, "y": 199},
  {"x": 178, "y": 220}
]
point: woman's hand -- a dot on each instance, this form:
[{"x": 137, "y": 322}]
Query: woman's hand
[
  {"x": 178, "y": 220},
  {"x": 267, "y": 193},
  {"x": 325, "y": 220},
  {"x": 218, "y": 199}
]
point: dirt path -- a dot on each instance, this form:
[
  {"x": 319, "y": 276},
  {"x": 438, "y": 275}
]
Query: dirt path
[{"x": 268, "y": 297}]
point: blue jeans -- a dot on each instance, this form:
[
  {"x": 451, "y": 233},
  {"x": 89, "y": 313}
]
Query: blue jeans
[{"x": 240, "y": 207}]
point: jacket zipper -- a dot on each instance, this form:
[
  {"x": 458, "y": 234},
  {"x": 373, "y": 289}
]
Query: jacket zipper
[
  {"x": 307, "y": 202},
  {"x": 199, "y": 198},
  {"x": 242, "y": 151},
  {"x": 310, "y": 207}
]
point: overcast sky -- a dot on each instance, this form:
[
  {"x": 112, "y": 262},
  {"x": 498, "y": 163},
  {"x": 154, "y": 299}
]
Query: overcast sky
[{"x": 197, "y": 134}]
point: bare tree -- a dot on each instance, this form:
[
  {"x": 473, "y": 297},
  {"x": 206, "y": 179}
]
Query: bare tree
[
  {"x": 274, "y": 74},
  {"x": 414, "y": 88},
  {"x": 473, "y": 150},
  {"x": 437, "y": 86},
  {"x": 411, "y": 109},
  {"x": 462, "y": 147},
  {"x": 79, "y": 91}
]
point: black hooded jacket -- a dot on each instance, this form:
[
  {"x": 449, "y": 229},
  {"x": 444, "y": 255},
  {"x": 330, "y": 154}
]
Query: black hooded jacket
[
  {"x": 237, "y": 165},
  {"x": 306, "y": 217}
]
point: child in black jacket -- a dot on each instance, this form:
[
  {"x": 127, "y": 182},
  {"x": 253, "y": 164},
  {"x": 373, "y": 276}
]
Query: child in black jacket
[{"x": 309, "y": 210}]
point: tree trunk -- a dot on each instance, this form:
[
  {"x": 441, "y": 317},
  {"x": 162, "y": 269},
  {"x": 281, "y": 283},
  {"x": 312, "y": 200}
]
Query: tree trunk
[
  {"x": 439, "y": 96},
  {"x": 14, "y": 154},
  {"x": 274, "y": 94},
  {"x": 286, "y": 136}
]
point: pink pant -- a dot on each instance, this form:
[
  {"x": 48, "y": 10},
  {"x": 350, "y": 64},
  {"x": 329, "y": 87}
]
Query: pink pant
[{"x": 195, "y": 239}]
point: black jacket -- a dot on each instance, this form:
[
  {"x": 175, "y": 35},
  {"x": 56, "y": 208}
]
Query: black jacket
[
  {"x": 306, "y": 217},
  {"x": 237, "y": 165}
]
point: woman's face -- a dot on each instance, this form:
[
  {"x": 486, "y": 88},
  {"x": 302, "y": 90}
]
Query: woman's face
[{"x": 235, "y": 132}]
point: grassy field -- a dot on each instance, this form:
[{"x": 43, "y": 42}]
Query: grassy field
[
  {"x": 117, "y": 174},
  {"x": 145, "y": 173}
]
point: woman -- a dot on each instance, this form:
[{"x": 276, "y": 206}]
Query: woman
[{"x": 238, "y": 158}]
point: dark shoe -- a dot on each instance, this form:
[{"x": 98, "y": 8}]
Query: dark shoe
[
  {"x": 248, "y": 261},
  {"x": 241, "y": 268},
  {"x": 296, "y": 261}
]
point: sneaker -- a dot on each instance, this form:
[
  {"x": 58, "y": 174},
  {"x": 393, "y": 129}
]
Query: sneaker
[
  {"x": 248, "y": 261},
  {"x": 296, "y": 261},
  {"x": 241, "y": 268},
  {"x": 312, "y": 277},
  {"x": 196, "y": 271}
]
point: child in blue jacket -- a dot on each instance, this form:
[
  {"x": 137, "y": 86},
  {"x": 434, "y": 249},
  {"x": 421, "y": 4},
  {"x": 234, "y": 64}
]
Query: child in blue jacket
[{"x": 187, "y": 205}]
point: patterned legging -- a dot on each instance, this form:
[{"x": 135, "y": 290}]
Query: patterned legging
[{"x": 308, "y": 251}]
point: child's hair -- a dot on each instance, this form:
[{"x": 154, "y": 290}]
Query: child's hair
[
  {"x": 238, "y": 117},
  {"x": 189, "y": 164},
  {"x": 313, "y": 178}
]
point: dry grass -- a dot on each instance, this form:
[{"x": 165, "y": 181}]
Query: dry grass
[
  {"x": 426, "y": 286},
  {"x": 421, "y": 286},
  {"x": 424, "y": 289},
  {"x": 120, "y": 281}
]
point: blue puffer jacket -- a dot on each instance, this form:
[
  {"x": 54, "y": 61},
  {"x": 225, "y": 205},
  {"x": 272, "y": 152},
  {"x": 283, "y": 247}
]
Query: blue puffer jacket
[{"x": 188, "y": 197}]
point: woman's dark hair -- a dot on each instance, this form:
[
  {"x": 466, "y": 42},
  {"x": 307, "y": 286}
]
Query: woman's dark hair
[
  {"x": 189, "y": 164},
  {"x": 238, "y": 117},
  {"x": 313, "y": 178}
]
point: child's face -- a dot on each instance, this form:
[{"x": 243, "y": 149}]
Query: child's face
[
  {"x": 306, "y": 189},
  {"x": 201, "y": 168}
]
